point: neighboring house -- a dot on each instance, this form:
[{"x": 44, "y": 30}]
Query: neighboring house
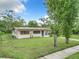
[{"x": 28, "y": 32}]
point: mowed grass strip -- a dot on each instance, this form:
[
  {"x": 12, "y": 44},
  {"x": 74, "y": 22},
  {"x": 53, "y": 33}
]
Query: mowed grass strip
[
  {"x": 31, "y": 48},
  {"x": 74, "y": 56},
  {"x": 75, "y": 36}
]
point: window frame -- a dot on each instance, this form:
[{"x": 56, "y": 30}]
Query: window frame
[
  {"x": 46, "y": 33},
  {"x": 24, "y": 32},
  {"x": 36, "y": 32}
]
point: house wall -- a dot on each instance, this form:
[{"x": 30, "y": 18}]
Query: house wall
[
  {"x": 23, "y": 36},
  {"x": 45, "y": 33},
  {"x": 37, "y": 35},
  {"x": 40, "y": 34},
  {"x": 17, "y": 34}
]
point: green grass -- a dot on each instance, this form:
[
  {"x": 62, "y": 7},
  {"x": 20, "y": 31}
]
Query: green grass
[
  {"x": 75, "y": 36},
  {"x": 74, "y": 56},
  {"x": 30, "y": 48}
]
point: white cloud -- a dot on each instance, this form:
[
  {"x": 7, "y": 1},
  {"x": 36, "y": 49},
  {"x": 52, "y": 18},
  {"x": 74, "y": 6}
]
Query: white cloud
[
  {"x": 24, "y": 0},
  {"x": 46, "y": 16},
  {"x": 14, "y": 5}
]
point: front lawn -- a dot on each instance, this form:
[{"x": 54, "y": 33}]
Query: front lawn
[
  {"x": 30, "y": 48},
  {"x": 74, "y": 56},
  {"x": 75, "y": 36}
]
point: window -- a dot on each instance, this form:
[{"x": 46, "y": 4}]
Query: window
[
  {"x": 46, "y": 33},
  {"x": 36, "y": 32},
  {"x": 24, "y": 32}
]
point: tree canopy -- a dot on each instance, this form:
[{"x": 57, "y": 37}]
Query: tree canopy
[
  {"x": 32, "y": 24},
  {"x": 64, "y": 13},
  {"x": 8, "y": 22}
]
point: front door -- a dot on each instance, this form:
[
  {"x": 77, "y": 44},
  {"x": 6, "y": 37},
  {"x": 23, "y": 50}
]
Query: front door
[{"x": 42, "y": 33}]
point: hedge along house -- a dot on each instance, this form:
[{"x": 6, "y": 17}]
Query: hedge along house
[{"x": 28, "y": 32}]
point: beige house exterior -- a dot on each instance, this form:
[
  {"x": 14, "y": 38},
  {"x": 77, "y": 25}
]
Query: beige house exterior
[{"x": 28, "y": 32}]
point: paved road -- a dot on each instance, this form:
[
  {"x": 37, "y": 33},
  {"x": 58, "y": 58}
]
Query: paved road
[{"x": 62, "y": 54}]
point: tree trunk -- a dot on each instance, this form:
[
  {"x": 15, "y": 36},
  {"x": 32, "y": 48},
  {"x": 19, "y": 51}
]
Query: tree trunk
[
  {"x": 67, "y": 40},
  {"x": 55, "y": 40}
]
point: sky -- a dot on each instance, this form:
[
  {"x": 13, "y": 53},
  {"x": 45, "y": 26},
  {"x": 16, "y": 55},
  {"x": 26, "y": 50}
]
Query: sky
[
  {"x": 28, "y": 9},
  {"x": 35, "y": 9}
]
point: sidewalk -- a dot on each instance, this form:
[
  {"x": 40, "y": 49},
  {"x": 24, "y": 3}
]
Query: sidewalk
[{"x": 62, "y": 54}]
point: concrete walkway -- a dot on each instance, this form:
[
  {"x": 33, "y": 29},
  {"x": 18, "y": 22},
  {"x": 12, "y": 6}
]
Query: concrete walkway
[{"x": 62, "y": 54}]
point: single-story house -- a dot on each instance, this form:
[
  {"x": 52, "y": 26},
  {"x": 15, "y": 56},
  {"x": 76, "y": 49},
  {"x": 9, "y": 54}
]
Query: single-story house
[{"x": 28, "y": 32}]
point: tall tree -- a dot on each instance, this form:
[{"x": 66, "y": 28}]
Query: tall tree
[
  {"x": 33, "y": 24},
  {"x": 69, "y": 16},
  {"x": 43, "y": 24},
  {"x": 9, "y": 21},
  {"x": 6, "y": 24},
  {"x": 53, "y": 12},
  {"x": 64, "y": 13},
  {"x": 19, "y": 22},
  {"x": 76, "y": 27},
  {"x": 6, "y": 21},
  {"x": 46, "y": 22}
]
